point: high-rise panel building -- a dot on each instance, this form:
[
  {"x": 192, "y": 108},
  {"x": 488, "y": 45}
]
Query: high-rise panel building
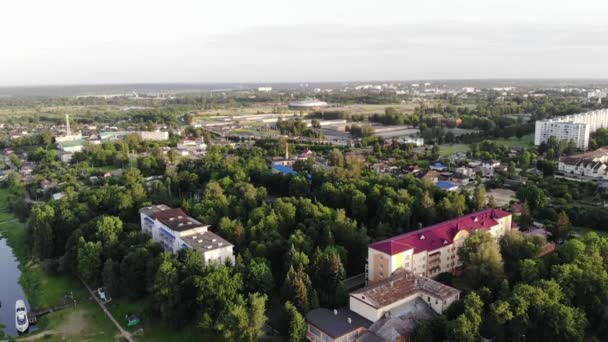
[{"x": 575, "y": 127}]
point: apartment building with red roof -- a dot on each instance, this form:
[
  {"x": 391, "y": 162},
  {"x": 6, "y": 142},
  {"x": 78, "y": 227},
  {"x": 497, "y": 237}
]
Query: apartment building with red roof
[{"x": 433, "y": 250}]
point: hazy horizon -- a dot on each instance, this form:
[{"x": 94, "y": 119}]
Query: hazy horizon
[{"x": 68, "y": 42}]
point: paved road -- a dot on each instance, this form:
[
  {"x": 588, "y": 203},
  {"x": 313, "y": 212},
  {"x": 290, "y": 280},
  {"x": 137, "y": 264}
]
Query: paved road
[{"x": 123, "y": 332}]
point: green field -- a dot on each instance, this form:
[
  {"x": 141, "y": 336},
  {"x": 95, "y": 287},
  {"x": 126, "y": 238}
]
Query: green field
[
  {"x": 151, "y": 328},
  {"x": 525, "y": 141},
  {"x": 356, "y": 109},
  {"x": 86, "y": 321},
  {"x": 446, "y": 150}
]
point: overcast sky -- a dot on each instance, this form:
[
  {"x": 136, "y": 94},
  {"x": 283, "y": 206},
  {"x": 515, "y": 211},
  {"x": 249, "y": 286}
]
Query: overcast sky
[{"x": 128, "y": 41}]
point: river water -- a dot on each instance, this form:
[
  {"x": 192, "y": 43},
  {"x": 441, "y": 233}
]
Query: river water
[{"x": 10, "y": 289}]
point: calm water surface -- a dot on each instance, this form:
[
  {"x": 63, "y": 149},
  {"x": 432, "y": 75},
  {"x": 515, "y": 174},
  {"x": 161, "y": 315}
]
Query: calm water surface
[{"x": 10, "y": 289}]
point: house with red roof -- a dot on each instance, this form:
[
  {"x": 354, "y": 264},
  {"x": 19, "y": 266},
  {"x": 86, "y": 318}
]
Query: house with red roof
[{"x": 433, "y": 250}]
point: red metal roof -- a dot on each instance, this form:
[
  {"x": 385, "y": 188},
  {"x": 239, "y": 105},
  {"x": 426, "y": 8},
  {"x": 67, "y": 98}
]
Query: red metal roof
[{"x": 439, "y": 235}]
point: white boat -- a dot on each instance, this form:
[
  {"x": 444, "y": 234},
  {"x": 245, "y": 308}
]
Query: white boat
[{"x": 21, "y": 320}]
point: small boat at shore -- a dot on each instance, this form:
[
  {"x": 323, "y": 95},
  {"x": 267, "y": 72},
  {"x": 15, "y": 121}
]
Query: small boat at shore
[{"x": 21, "y": 320}]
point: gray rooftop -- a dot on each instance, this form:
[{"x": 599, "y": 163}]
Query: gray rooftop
[
  {"x": 151, "y": 210},
  {"x": 336, "y": 325},
  {"x": 206, "y": 241}
]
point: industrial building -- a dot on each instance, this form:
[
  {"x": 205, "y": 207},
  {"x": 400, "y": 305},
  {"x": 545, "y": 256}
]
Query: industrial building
[
  {"x": 576, "y": 127},
  {"x": 175, "y": 230}
]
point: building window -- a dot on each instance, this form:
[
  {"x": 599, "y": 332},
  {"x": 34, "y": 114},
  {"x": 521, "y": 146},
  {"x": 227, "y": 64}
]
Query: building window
[
  {"x": 327, "y": 338},
  {"x": 428, "y": 299},
  {"x": 314, "y": 330},
  {"x": 381, "y": 274},
  {"x": 381, "y": 266}
]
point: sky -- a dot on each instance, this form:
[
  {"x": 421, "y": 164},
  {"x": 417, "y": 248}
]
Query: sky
[{"x": 129, "y": 41}]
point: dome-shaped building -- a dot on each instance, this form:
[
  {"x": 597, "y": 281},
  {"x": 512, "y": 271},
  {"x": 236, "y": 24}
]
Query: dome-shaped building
[{"x": 307, "y": 104}]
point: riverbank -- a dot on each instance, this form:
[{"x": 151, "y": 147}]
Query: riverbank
[{"x": 84, "y": 322}]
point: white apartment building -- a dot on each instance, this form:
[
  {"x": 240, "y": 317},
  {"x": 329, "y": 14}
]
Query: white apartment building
[
  {"x": 432, "y": 250},
  {"x": 575, "y": 127},
  {"x": 175, "y": 230}
]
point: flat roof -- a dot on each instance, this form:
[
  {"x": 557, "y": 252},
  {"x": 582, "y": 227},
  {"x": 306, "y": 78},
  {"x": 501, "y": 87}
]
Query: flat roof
[
  {"x": 206, "y": 241},
  {"x": 152, "y": 209},
  {"x": 176, "y": 219},
  {"x": 401, "y": 284},
  {"x": 335, "y": 324}
]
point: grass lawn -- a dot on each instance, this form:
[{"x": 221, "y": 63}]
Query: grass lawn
[
  {"x": 84, "y": 322},
  {"x": 151, "y": 328},
  {"x": 525, "y": 141},
  {"x": 446, "y": 150},
  {"x": 355, "y": 109}
]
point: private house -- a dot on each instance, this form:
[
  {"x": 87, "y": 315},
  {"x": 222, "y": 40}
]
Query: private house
[
  {"x": 285, "y": 170},
  {"x": 447, "y": 186},
  {"x": 465, "y": 171},
  {"x": 432, "y": 250},
  {"x": 516, "y": 181},
  {"x": 175, "y": 230},
  {"x": 432, "y": 176},
  {"x": 438, "y": 167},
  {"x": 592, "y": 164}
]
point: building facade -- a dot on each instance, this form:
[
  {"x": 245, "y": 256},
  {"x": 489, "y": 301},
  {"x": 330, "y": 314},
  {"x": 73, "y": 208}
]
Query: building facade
[
  {"x": 394, "y": 294},
  {"x": 592, "y": 164},
  {"x": 432, "y": 250},
  {"x": 175, "y": 230},
  {"x": 576, "y": 127},
  {"x": 387, "y": 310}
]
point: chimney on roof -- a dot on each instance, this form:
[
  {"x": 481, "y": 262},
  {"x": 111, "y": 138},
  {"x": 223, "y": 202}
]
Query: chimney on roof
[
  {"x": 349, "y": 320},
  {"x": 335, "y": 312}
]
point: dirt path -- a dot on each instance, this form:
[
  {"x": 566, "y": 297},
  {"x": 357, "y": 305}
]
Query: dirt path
[{"x": 123, "y": 332}]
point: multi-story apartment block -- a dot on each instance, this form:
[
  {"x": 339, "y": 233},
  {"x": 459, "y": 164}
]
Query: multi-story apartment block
[
  {"x": 576, "y": 127},
  {"x": 175, "y": 230},
  {"x": 432, "y": 250}
]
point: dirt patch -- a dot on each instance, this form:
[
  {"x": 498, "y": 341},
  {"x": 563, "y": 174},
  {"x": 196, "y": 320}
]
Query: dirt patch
[
  {"x": 502, "y": 197},
  {"x": 74, "y": 324}
]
